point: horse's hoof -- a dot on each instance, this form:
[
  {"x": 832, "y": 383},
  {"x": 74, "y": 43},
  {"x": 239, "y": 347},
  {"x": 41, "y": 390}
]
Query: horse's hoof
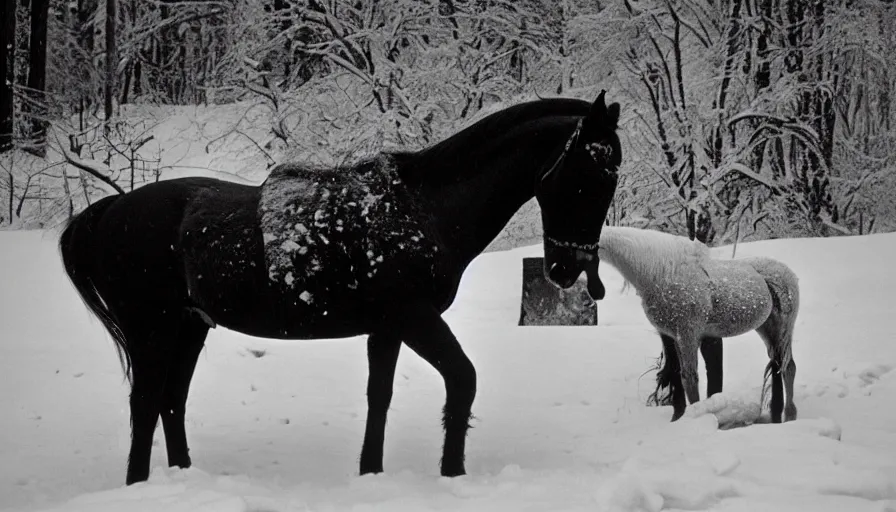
[
  {"x": 182, "y": 463},
  {"x": 453, "y": 472},
  {"x": 677, "y": 416},
  {"x": 131, "y": 479},
  {"x": 371, "y": 470},
  {"x": 790, "y": 414}
]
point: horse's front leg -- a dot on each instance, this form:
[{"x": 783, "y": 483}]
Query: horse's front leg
[
  {"x": 711, "y": 349},
  {"x": 670, "y": 376},
  {"x": 688, "y": 347},
  {"x": 427, "y": 334},
  {"x": 382, "y": 356}
]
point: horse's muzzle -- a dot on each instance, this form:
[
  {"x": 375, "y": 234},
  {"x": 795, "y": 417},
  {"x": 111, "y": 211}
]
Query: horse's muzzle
[
  {"x": 595, "y": 286},
  {"x": 590, "y": 263},
  {"x": 563, "y": 270}
]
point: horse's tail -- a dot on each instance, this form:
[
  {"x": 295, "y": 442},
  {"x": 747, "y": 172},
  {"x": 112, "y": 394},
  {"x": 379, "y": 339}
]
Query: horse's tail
[
  {"x": 76, "y": 245},
  {"x": 783, "y": 286},
  {"x": 662, "y": 394},
  {"x": 770, "y": 368}
]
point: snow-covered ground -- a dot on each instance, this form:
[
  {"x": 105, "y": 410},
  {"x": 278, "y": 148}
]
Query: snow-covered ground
[{"x": 561, "y": 423}]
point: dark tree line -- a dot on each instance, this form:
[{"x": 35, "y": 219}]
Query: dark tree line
[
  {"x": 7, "y": 72},
  {"x": 745, "y": 117}
]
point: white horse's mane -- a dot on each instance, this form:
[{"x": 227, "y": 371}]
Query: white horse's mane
[{"x": 646, "y": 256}]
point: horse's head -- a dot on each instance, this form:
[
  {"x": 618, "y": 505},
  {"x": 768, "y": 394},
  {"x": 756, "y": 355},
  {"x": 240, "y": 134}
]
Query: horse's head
[{"x": 575, "y": 194}]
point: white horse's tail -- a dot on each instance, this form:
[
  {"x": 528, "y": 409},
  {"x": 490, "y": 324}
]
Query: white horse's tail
[{"x": 783, "y": 286}]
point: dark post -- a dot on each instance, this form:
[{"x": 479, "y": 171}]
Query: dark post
[{"x": 544, "y": 304}]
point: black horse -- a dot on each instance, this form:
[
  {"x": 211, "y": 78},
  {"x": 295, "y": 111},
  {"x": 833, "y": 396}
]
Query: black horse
[{"x": 377, "y": 248}]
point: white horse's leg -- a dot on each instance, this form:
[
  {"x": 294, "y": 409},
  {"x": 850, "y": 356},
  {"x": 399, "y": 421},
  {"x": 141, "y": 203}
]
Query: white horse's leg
[
  {"x": 776, "y": 407},
  {"x": 776, "y": 332},
  {"x": 688, "y": 346},
  {"x": 671, "y": 377},
  {"x": 789, "y": 377}
]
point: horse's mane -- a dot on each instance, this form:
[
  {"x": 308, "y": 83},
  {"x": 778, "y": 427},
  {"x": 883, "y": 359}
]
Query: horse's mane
[
  {"x": 446, "y": 161},
  {"x": 363, "y": 165},
  {"x": 644, "y": 255},
  {"x": 443, "y": 162}
]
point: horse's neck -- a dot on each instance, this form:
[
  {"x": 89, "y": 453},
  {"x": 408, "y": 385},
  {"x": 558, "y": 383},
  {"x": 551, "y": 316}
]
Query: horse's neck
[
  {"x": 498, "y": 178},
  {"x": 637, "y": 255}
]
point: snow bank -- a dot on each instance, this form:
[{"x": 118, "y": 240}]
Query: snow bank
[{"x": 560, "y": 416}]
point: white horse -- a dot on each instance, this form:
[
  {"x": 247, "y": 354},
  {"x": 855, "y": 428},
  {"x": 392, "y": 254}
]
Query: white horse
[{"x": 694, "y": 301}]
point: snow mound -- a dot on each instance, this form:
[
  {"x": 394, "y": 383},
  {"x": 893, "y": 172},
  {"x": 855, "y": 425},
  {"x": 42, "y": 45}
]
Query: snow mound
[
  {"x": 694, "y": 466},
  {"x": 731, "y": 409},
  {"x": 173, "y": 491}
]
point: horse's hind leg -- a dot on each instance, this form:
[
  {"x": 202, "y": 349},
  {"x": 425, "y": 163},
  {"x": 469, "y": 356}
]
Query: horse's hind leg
[
  {"x": 182, "y": 359},
  {"x": 776, "y": 333},
  {"x": 711, "y": 349},
  {"x": 148, "y": 367},
  {"x": 149, "y": 364},
  {"x": 777, "y": 404},
  {"x": 154, "y": 343},
  {"x": 382, "y": 356},
  {"x": 789, "y": 376}
]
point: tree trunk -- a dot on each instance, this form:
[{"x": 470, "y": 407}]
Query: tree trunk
[
  {"x": 12, "y": 194},
  {"x": 126, "y": 86},
  {"x": 37, "y": 74},
  {"x": 86, "y": 43},
  {"x": 732, "y": 37},
  {"x": 279, "y": 7},
  {"x": 23, "y": 17},
  {"x": 111, "y": 63},
  {"x": 7, "y": 74},
  {"x": 762, "y": 79},
  {"x": 138, "y": 79}
]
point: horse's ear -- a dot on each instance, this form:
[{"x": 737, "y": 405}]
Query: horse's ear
[
  {"x": 613, "y": 114},
  {"x": 598, "y": 113},
  {"x": 599, "y": 107}
]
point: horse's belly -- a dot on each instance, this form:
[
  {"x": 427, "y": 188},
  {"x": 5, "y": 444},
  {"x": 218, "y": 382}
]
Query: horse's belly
[
  {"x": 740, "y": 301},
  {"x": 291, "y": 322},
  {"x": 241, "y": 296}
]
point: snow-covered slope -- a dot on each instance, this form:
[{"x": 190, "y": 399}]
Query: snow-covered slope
[{"x": 560, "y": 422}]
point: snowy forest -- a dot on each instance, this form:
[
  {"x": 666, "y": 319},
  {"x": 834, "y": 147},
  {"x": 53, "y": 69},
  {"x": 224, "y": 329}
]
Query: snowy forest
[{"x": 741, "y": 119}]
